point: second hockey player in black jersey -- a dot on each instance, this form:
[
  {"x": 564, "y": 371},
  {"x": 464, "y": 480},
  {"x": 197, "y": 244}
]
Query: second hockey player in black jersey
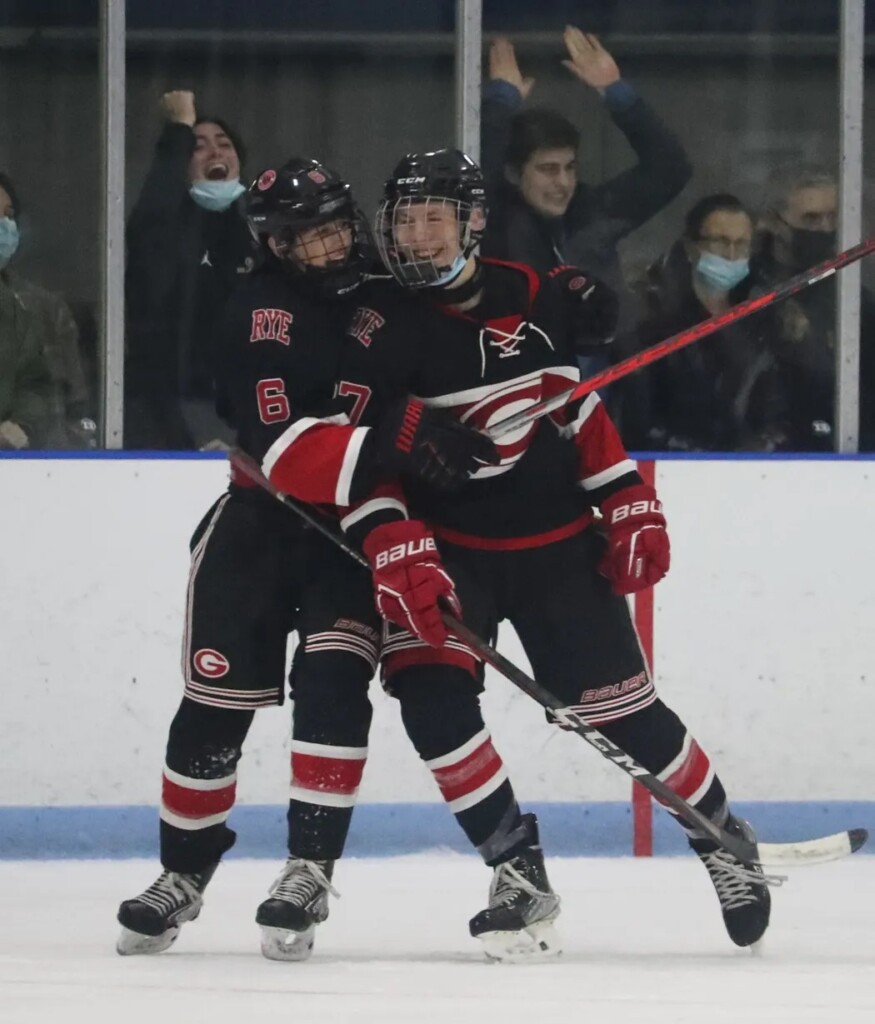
[{"x": 484, "y": 340}]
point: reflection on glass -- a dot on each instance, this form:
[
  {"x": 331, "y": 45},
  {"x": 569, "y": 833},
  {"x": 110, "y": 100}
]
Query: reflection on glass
[{"x": 603, "y": 138}]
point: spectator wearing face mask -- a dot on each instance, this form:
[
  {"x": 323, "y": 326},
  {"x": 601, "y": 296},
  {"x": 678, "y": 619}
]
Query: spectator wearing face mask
[
  {"x": 539, "y": 212},
  {"x": 719, "y": 394},
  {"x": 65, "y": 419},
  {"x": 188, "y": 245},
  {"x": 797, "y": 230},
  {"x": 26, "y": 386}
]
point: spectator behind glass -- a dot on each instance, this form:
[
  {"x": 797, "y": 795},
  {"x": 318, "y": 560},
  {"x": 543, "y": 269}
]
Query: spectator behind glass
[
  {"x": 44, "y": 319},
  {"x": 797, "y": 230},
  {"x": 188, "y": 245},
  {"x": 539, "y": 213},
  {"x": 720, "y": 393},
  {"x": 26, "y": 388}
]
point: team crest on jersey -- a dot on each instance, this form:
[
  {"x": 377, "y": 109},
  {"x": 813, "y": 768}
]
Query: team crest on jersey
[
  {"x": 270, "y": 325},
  {"x": 210, "y": 663},
  {"x": 486, "y": 406},
  {"x": 364, "y": 322}
]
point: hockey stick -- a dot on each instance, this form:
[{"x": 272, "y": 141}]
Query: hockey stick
[
  {"x": 811, "y": 851},
  {"x": 683, "y": 338}
]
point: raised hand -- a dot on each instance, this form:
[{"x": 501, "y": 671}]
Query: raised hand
[
  {"x": 179, "y": 106},
  {"x": 503, "y": 65},
  {"x": 589, "y": 60}
]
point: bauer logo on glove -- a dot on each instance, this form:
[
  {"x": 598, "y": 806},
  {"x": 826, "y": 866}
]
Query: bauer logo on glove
[{"x": 638, "y": 553}]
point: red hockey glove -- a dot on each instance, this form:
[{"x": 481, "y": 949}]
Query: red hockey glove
[
  {"x": 638, "y": 552},
  {"x": 409, "y": 579},
  {"x": 432, "y": 444}
]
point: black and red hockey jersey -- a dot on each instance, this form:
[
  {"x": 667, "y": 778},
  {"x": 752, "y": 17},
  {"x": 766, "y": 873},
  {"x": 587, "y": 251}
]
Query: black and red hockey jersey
[
  {"x": 516, "y": 347},
  {"x": 280, "y": 350}
]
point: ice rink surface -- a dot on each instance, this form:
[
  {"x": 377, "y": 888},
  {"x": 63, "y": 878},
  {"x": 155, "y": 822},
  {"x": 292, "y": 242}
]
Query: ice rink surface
[{"x": 643, "y": 939}]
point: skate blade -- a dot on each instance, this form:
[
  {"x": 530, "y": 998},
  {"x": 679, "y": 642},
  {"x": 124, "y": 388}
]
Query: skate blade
[
  {"x": 281, "y": 944},
  {"x": 131, "y": 943},
  {"x": 537, "y": 942}
]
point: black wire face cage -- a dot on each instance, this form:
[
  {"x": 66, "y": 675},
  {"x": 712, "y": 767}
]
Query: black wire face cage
[
  {"x": 425, "y": 240},
  {"x": 332, "y": 263}
]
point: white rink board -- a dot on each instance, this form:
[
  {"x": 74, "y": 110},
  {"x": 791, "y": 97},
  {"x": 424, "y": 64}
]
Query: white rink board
[{"x": 764, "y": 638}]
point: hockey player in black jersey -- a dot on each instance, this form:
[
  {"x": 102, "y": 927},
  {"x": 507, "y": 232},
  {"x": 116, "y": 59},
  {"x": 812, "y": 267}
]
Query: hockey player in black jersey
[
  {"x": 256, "y": 574},
  {"x": 485, "y": 339}
]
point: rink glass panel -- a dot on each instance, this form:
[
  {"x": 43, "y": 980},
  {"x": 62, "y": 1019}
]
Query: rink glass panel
[
  {"x": 353, "y": 88},
  {"x": 747, "y": 87}
]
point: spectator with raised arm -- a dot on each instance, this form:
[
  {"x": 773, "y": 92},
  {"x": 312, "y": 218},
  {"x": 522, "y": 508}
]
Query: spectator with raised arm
[
  {"x": 51, "y": 387},
  {"x": 188, "y": 245},
  {"x": 540, "y": 213}
]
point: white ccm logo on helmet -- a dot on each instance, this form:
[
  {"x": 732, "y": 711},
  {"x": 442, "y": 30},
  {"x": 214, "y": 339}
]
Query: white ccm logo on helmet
[{"x": 409, "y": 181}]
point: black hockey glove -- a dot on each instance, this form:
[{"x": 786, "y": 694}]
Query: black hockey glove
[
  {"x": 592, "y": 309},
  {"x": 431, "y": 444}
]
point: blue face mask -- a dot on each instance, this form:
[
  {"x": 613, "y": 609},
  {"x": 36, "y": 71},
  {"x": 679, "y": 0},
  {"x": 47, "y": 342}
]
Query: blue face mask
[
  {"x": 452, "y": 273},
  {"x": 9, "y": 239},
  {"x": 721, "y": 274},
  {"x": 216, "y": 195}
]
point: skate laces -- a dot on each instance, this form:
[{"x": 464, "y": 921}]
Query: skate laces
[
  {"x": 170, "y": 891},
  {"x": 300, "y": 881},
  {"x": 507, "y": 883},
  {"x": 734, "y": 880}
]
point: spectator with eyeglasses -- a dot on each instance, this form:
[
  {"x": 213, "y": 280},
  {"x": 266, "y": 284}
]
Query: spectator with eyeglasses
[
  {"x": 796, "y": 231},
  {"x": 718, "y": 394}
]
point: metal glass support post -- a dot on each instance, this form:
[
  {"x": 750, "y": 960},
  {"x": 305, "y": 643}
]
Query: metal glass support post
[
  {"x": 112, "y": 220},
  {"x": 849, "y": 224},
  {"x": 469, "y": 46}
]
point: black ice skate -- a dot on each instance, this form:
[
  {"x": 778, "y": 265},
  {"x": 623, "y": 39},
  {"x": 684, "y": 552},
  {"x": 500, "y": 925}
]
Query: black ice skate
[
  {"x": 518, "y": 923},
  {"x": 151, "y": 921},
  {"x": 298, "y": 902},
  {"x": 741, "y": 888}
]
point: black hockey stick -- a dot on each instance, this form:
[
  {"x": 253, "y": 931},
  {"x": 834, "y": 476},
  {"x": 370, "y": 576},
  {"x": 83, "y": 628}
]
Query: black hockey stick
[
  {"x": 686, "y": 337},
  {"x": 810, "y": 851}
]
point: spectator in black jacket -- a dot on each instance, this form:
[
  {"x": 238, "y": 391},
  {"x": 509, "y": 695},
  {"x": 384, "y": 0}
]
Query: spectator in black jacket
[
  {"x": 725, "y": 392},
  {"x": 188, "y": 245},
  {"x": 797, "y": 230},
  {"x": 539, "y": 212}
]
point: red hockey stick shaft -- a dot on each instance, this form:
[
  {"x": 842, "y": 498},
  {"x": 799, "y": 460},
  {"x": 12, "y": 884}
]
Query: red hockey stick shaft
[{"x": 682, "y": 338}]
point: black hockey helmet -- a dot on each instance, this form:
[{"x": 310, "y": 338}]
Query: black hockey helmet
[
  {"x": 300, "y": 195},
  {"x": 444, "y": 178}
]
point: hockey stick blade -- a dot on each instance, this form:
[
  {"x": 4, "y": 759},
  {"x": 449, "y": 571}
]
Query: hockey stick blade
[
  {"x": 683, "y": 338},
  {"x": 814, "y": 851}
]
